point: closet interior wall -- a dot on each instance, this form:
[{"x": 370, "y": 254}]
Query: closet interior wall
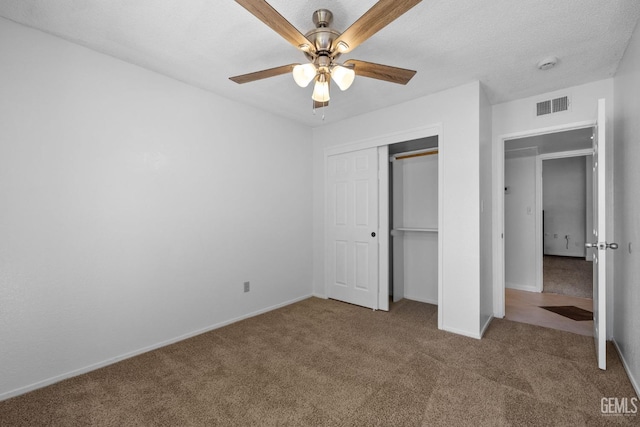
[{"x": 414, "y": 224}]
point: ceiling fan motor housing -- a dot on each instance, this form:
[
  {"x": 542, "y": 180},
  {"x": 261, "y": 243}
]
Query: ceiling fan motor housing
[
  {"x": 322, "y": 36},
  {"x": 322, "y": 18}
]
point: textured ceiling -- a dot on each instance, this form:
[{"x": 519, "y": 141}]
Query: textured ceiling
[{"x": 449, "y": 43}]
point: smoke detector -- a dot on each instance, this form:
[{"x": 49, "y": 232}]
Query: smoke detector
[{"x": 548, "y": 63}]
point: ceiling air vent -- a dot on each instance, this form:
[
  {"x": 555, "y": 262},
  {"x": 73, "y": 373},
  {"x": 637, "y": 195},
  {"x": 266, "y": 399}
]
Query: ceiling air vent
[{"x": 551, "y": 106}]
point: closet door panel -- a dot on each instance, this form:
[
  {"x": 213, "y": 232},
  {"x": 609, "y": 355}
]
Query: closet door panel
[{"x": 352, "y": 227}]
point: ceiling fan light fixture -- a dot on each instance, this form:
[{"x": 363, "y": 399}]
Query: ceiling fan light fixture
[
  {"x": 343, "y": 76},
  {"x": 321, "y": 89},
  {"x": 303, "y": 74},
  {"x": 323, "y": 45}
]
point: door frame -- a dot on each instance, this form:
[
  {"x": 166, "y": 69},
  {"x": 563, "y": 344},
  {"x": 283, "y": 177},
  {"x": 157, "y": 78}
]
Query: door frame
[
  {"x": 383, "y": 201},
  {"x": 539, "y": 206},
  {"x": 498, "y": 190}
]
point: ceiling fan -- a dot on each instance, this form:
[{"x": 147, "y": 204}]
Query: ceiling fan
[{"x": 323, "y": 45}]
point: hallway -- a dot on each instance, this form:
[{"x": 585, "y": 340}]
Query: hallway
[{"x": 569, "y": 276}]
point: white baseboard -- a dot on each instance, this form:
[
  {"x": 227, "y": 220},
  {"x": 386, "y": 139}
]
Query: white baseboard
[
  {"x": 634, "y": 382},
  {"x": 317, "y": 295},
  {"x": 110, "y": 361},
  {"x": 516, "y": 286},
  {"x": 425, "y": 300},
  {"x": 461, "y": 332},
  {"x": 469, "y": 334},
  {"x": 485, "y": 326},
  {"x": 567, "y": 254}
]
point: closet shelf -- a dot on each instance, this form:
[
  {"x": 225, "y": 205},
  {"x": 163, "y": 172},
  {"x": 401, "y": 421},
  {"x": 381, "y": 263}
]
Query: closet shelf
[{"x": 423, "y": 230}]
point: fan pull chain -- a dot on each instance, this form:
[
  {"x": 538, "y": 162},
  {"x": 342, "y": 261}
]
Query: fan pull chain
[{"x": 313, "y": 108}]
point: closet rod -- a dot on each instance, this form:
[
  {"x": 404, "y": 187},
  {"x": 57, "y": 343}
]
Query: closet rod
[{"x": 410, "y": 155}]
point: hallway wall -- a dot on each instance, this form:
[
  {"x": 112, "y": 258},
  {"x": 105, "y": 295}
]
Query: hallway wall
[
  {"x": 520, "y": 220},
  {"x": 564, "y": 201}
]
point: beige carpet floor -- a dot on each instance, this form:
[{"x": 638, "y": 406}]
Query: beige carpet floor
[
  {"x": 567, "y": 276},
  {"x": 322, "y": 362}
]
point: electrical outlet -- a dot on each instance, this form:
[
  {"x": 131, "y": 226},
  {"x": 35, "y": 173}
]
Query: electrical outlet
[{"x": 247, "y": 286}]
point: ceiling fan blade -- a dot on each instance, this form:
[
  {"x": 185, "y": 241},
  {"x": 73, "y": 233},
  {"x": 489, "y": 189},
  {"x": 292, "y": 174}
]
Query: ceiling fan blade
[
  {"x": 379, "y": 16},
  {"x": 381, "y": 72},
  {"x": 263, "y": 74},
  {"x": 267, "y": 14}
]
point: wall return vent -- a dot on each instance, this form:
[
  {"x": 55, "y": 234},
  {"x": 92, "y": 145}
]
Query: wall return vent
[
  {"x": 551, "y": 106},
  {"x": 543, "y": 108}
]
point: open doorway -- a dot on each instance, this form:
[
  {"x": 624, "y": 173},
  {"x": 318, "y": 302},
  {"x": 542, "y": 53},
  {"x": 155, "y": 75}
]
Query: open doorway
[
  {"x": 547, "y": 207},
  {"x": 567, "y": 225}
]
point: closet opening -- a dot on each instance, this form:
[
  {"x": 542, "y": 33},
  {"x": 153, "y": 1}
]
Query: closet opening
[{"x": 413, "y": 220}]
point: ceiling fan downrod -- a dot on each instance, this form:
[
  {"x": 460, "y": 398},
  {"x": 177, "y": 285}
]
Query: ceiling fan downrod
[{"x": 322, "y": 36}]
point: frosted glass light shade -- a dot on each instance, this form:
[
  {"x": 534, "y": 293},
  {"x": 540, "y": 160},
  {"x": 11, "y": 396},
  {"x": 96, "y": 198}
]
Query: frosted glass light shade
[
  {"x": 343, "y": 76},
  {"x": 303, "y": 74},
  {"x": 321, "y": 89}
]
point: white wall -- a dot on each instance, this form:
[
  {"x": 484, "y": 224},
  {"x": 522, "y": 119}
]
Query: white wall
[
  {"x": 417, "y": 191},
  {"x": 133, "y": 209},
  {"x": 420, "y": 259},
  {"x": 564, "y": 201},
  {"x": 415, "y": 205},
  {"x": 486, "y": 212},
  {"x": 517, "y": 119},
  {"x": 520, "y": 221},
  {"x": 626, "y": 323},
  {"x": 457, "y": 110},
  {"x": 519, "y": 115}
]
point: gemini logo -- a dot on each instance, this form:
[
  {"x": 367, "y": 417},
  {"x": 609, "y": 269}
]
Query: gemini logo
[{"x": 614, "y": 406}]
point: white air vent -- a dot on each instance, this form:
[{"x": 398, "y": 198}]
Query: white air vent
[
  {"x": 560, "y": 104},
  {"x": 543, "y": 108},
  {"x": 551, "y": 106}
]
